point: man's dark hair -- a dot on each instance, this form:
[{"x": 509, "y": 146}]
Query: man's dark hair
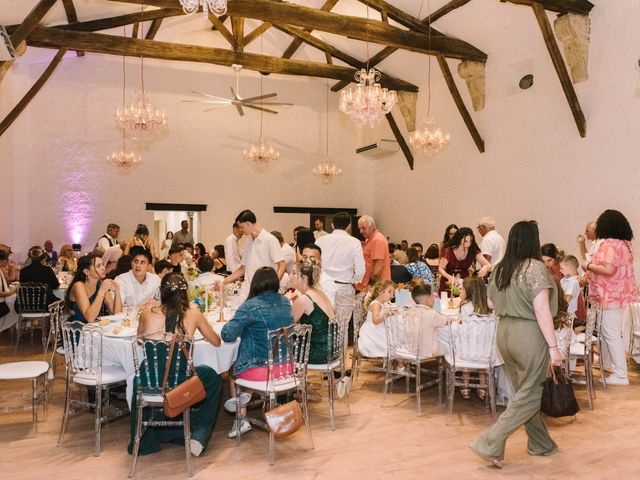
[
  {"x": 175, "y": 249},
  {"x": 313, "y": 246},
  {"x": 161, "y": 266},
  {"x": 137, "y": 250},
  {"x": 205, "y": 264},
  {"x": 341, "y": 220},
  {"x": 246, "y": 216},
  {"x": 235, "y": 225},
  {"x": 278, "y": 236}
]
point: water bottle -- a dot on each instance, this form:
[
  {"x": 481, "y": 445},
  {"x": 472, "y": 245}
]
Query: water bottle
[{"x": 436, "y": 304}]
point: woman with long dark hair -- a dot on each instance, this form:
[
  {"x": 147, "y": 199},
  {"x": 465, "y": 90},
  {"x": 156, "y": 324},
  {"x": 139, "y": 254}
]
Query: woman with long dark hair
[
  {"x": 219, "y": 260},
  {"x": 90, "y": 295},
  {"x": 449, "y": 232},
  {"x": 265, "y": 309},
  {"x": 525, "y": 299},
  {"x": 551, "y": 256},
  {"x": 175, "y": 315},
  {"x": 459, "y": 258},
  {"x": 613, "y": 282}
]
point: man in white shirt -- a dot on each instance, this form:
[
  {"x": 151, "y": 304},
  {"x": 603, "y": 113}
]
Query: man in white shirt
[
  {"x": 232, "y": 249},
  {"x": 492, "y": 245},
  {"x": 319, "y": 229},
  {"x": 587, "y": 249},
  {"x": 109, "y": 239},
  {"x": 328, "y": 286},
  {"x": 342, "y": 260},
  {"x": 261, "y": 250},
  {"x": 206, "y": 278},
  {"x": 138, "y": 286},
  {"x": 288, "y": 253}
]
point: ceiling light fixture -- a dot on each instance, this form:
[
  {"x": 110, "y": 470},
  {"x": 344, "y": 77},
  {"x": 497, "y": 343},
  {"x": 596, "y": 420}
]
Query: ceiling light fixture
[
  {"x": 429, "y": 138},
  {"x": 217, "y": 7},
  {"x": 327, "y": 170}
]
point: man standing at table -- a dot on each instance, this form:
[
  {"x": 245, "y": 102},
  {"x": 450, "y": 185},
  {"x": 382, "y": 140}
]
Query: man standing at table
[
  {"x": 492, "y": 245},
  {"x": 109, "y": 239},
  {"x": 232, "y": 249},
  {"x": 261, "y": 250},
  {"x": 183, "y": 235},
  {"x": 138, "y": 286},
  {"x": 52, "y": 255},
  {"x": 319, "y": 228},
  {"x": 377, "y": 263},
  {"x": 342, "y": 260}
]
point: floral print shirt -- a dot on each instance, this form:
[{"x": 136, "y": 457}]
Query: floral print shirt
[{"x": 619, "y": 289}]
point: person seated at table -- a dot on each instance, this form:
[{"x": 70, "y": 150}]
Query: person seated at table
[
  {"x": 38, "y": 272},
  {"x": 313, "y": 308},
  {"x": 219, "y": 260},
  {"x": 162, "y": 267},
  {"x": 141, "y": 239},
  {"x": 199, "y": 251},
  {"x": 176, "y": 258},
  {"x": 7, "y": 292},
  {"x": 432, "y": 258},
  {"x": 67, "y": 262},
  {"x": 416, "y": 267},
  {"x": 423, "y": 296},
  {"x": 265, "y": 309},
  {"x": 175, "y": 315},
  {"x": 138, "y": 286},
  {"x": 123, "y": 265},
  {"x": 460, "y": 257},
  {"x": 372, "y": 340},
  {"x": 90, "y": 295},
  {"x": 206, "y": 277},
  {"x": 474, "y": 300}
]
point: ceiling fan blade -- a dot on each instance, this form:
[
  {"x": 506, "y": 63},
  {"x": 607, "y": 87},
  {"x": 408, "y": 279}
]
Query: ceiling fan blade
[
  {"x": 260, "y": 108},
  {"x": 209, "y": 109},
  {"x": 268, "y": 103},
  {"x": 235, "y": 95},
  {"x": 208, "y": 95},
  {"x": 252, "y": 99},
  {"x": 239, "y": 108}
]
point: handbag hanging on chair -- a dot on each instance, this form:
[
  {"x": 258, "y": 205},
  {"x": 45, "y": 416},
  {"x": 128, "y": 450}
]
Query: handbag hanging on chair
[
  {"x": 558, "y": 399},
  {"x": 186, "y": 394}
]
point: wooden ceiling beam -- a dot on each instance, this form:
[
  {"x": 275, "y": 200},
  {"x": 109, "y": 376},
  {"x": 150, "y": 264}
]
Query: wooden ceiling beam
[
  {"x": 295, "y": 44},
  {"x": 72, "y": 16},
  {"x": 445, "y": 9},
  {"x": 264, "y": 26},
  {"x": 115, "y": 45},
  {"x": 153, "y": 29},
  {"x": 333, "y": 51},
  {"x": 33, "y": 91},
  {"x": 400, "y": 139},
  {"x": 237, "y": 27},
  {"x": 218, "y": 25},
  {"x": 582, "y": 7},
  {"x": 561, "y": 68}
]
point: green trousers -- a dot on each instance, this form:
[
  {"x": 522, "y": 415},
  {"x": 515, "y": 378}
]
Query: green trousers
[{"x": 526, "y": 357}]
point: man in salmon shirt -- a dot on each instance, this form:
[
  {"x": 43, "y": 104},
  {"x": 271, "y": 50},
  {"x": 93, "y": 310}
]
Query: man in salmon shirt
[{"x": 376, "y": 252}]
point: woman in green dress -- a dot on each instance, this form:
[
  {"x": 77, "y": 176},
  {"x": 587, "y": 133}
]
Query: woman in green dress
[
  {"x": 175, "y": 315},
  {"x": 313, "y": 308},
  {"x": 525, "y": 299}
]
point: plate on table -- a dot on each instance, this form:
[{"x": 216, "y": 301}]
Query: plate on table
[
  {"x": 120, "y": 331},
  {"x": 116, "y": 317}
]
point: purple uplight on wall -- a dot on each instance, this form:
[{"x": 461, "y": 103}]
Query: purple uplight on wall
[{"x": 78, "y": 209}]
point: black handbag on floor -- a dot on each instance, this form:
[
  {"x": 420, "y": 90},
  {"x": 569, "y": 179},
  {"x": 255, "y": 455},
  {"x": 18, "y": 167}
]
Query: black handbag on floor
[
  {"x": 558, "y": 399},
  {"x": 4, "y": 309}
]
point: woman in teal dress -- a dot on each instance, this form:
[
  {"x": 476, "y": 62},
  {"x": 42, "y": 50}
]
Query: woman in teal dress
[
  {"x": 312, "y": 308},
  {"x": 90, "y": 294},
  {"x": 174, "y": 315}
]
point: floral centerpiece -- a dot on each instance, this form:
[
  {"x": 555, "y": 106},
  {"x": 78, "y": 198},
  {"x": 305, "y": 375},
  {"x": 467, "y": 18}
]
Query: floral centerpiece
[
  {"x": 191, "y": 274},
  {"x": 202, "y": 298}
]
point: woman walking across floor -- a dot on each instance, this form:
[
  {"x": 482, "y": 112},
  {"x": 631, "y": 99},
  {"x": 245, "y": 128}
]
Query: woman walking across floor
[{"x": 525, "y": 299}]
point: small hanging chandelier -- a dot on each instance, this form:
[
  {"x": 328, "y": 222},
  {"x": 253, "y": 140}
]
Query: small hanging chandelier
[
  {"x": 217, "y": 7},
  {"x": 429, "y": 138},
  {"x": 261, "y": 154},
  {"x": 141, "y": 118},
  {"x": 327, "y": 170}
]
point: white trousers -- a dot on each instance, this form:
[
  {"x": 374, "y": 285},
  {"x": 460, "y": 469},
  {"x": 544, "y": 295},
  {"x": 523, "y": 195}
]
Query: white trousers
[
  {"x": 613, "y": 356},
  {"x": 345, "y": 297}
]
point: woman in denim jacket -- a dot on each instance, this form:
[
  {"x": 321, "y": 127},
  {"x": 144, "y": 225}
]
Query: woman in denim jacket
[{"x": 265, "y": 309}]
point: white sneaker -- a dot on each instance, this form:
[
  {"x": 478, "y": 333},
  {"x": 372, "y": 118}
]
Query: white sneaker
[
  {"x": 245, "y": 426},
  {"x": 343, "y": 387},
  {"x": 196, "y": 447},
  {"x": 230, "y": 405},
  {"x": 613, "y": 380}
]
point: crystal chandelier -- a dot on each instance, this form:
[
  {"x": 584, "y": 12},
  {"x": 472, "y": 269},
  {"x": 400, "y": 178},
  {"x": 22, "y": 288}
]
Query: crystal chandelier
[
  {"x": 327, "y": 170},
  {"x": 141, "y": 117},
  {"x": 261, "y": 154},
  {"x": 368, "y": 102},
  {"x": 217, "y": 7},
  {"x": 429, "y": 138},
  {"x": 123, "y": 158}
]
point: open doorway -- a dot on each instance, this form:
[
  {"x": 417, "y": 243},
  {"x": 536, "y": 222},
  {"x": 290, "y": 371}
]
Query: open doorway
[{"x": 167, "y": 217}]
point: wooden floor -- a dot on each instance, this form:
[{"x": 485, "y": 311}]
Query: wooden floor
[{"x": 373, "y": 442}]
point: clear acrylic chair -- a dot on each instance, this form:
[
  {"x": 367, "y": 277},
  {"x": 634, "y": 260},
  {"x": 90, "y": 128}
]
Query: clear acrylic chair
[
  {"x": 149, "y": 376},
  {"x": 31, "y": 302},
  {"x": 584, "y": 347},
  {"x": 359, "y": 317},
  {"x": 564, "y": 336},
  {"x": 338, "y": 327},
  {"x": 404, "y": 343},
  {"x": 472, "y": 348},
  {"x": 29, "y": 370},
  {"x": 287, "y": 373},
  {"x": 56, "y": 310},
  {"x": 83, "y": 356},
  {"x": 634, "y": 335}
]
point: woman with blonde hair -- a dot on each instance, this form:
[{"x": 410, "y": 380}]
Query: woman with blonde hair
[{"x": 67, "y": 262}]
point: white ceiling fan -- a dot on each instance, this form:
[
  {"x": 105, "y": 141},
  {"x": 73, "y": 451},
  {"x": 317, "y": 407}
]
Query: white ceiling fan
[{"x": 255, "y": 103}]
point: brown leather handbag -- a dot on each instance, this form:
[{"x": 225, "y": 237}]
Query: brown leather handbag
[
  {"x": 185, "y": 394},
  {"x": 285, "y": 419}
]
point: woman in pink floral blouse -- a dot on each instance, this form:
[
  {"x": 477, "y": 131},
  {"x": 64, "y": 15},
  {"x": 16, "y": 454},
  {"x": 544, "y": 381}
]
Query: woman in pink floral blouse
[{"x": 611, "y": 278}]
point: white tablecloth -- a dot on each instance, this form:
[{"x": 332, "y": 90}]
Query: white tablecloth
[
  {"x": 118, "y": 351},
  {"x": 11, "y": 318}
]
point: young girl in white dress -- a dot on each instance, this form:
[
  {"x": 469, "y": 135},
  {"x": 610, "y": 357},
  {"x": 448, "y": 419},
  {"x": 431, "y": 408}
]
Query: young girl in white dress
[{"x": 372, "y": 341}]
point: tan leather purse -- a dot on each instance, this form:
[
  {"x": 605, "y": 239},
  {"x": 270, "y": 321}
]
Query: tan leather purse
[
  {"x": 285, "y": 419},
  {"x": 185, "y": 394}
]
